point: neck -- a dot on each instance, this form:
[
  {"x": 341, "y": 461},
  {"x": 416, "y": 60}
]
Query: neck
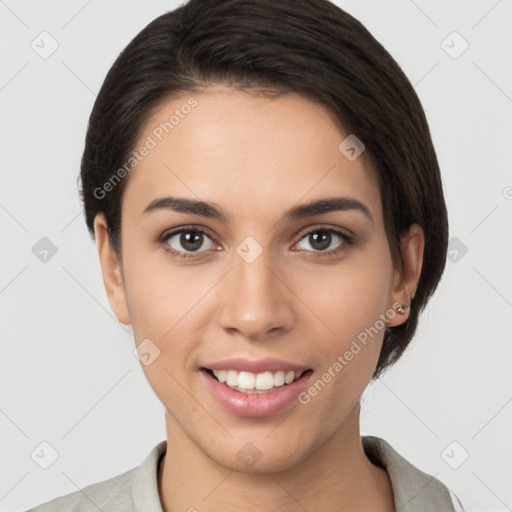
[{"x": 335, "y": 476}]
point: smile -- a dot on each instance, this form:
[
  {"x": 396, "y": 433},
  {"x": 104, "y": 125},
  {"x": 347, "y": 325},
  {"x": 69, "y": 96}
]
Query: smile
[
  {"x": 239, "y": 393},
  {"x": 248, "y": 382}
]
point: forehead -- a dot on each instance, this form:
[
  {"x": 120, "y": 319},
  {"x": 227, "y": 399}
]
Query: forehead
[{"x": 252, "y": 154}]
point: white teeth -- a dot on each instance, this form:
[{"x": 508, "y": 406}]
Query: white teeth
[
  {"x": 289, "y": 377},
  {"x": 231, "y": 377},
  {"x": 278, "y": 378},
  {"x": 246, "y": 380},
  {"x": 259, "y": 382},
  {"x": 263, "y": 381}
]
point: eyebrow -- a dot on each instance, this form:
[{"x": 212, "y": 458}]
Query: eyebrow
[{"x": 211, "y": 210}]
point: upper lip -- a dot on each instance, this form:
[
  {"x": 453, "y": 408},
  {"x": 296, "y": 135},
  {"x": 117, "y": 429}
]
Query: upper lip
[{"x": 241, "y": 364}]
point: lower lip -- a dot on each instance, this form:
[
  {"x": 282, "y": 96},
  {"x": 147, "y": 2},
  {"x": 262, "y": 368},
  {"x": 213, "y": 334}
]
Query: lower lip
[{"x": 256, "y": 405}]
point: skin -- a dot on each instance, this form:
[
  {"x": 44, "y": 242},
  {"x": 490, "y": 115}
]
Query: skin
[{"x": 257, "y": 157}]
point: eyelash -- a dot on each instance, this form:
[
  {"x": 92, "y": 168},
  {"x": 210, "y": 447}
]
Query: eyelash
[{"x": 348, "y": 240}]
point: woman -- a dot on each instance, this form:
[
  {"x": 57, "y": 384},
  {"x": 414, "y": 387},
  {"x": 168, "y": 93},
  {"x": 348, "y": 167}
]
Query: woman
[{"x": 265, "y": 196}]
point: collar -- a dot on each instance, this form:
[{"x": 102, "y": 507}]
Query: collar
[{"x": 413, "y": 489}]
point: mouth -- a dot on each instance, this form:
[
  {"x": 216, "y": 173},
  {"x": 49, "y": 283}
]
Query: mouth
[
  {"x": 256, "y": 383},
  {"x": 271, "y": 388}
]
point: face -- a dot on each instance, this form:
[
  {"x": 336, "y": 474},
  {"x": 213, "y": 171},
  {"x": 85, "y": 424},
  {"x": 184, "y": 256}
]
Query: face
[{"x": 250, "y": 282}]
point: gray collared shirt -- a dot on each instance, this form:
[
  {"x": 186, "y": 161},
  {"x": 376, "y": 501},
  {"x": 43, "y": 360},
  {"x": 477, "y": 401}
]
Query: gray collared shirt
[{"x": 136, "y": 490}]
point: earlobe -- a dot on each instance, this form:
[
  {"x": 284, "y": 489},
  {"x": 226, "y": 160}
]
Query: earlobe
[
  {"x": 111, "y": 271},
  {"x": 406, "y": 279}
]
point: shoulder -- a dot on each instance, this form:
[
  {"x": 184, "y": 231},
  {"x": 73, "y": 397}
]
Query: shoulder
[
  {"x": 457, "y": 505},
  {"x": 112, "y": 494},
  {"x": 413, "y": 489},
  {"x": 134, "y": 490}
]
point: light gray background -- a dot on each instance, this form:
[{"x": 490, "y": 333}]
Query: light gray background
[{"x": 68, "y": 375}]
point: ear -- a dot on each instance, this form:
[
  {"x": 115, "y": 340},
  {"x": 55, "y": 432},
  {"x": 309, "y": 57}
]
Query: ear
[
  {"x": 405, "y": 280},
  {"x": 111, "y": 271}
]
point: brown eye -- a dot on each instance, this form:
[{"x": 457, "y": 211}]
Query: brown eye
[
  {"x": 320, "y": 240},
  {"x": 326, "y": 241},
  {"x": 188, "y": 240}
]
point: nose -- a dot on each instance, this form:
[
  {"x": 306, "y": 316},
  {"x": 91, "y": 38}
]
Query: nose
[{"x": 256, "y": 299}]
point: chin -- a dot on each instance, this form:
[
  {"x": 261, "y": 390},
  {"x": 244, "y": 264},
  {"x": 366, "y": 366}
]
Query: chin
[
  {"x": 274, "y": 463},
  {"x": 258, "y": 454}
]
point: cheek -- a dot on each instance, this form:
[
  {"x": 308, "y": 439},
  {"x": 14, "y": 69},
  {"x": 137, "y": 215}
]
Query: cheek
[
  {"x": 348, "y": 301},
  {"x": 348, "y": 338},
  {"x": 349, "y": 297},
  {"x": 158, "y": 295},
  {"x": 167, "y": 305}
]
